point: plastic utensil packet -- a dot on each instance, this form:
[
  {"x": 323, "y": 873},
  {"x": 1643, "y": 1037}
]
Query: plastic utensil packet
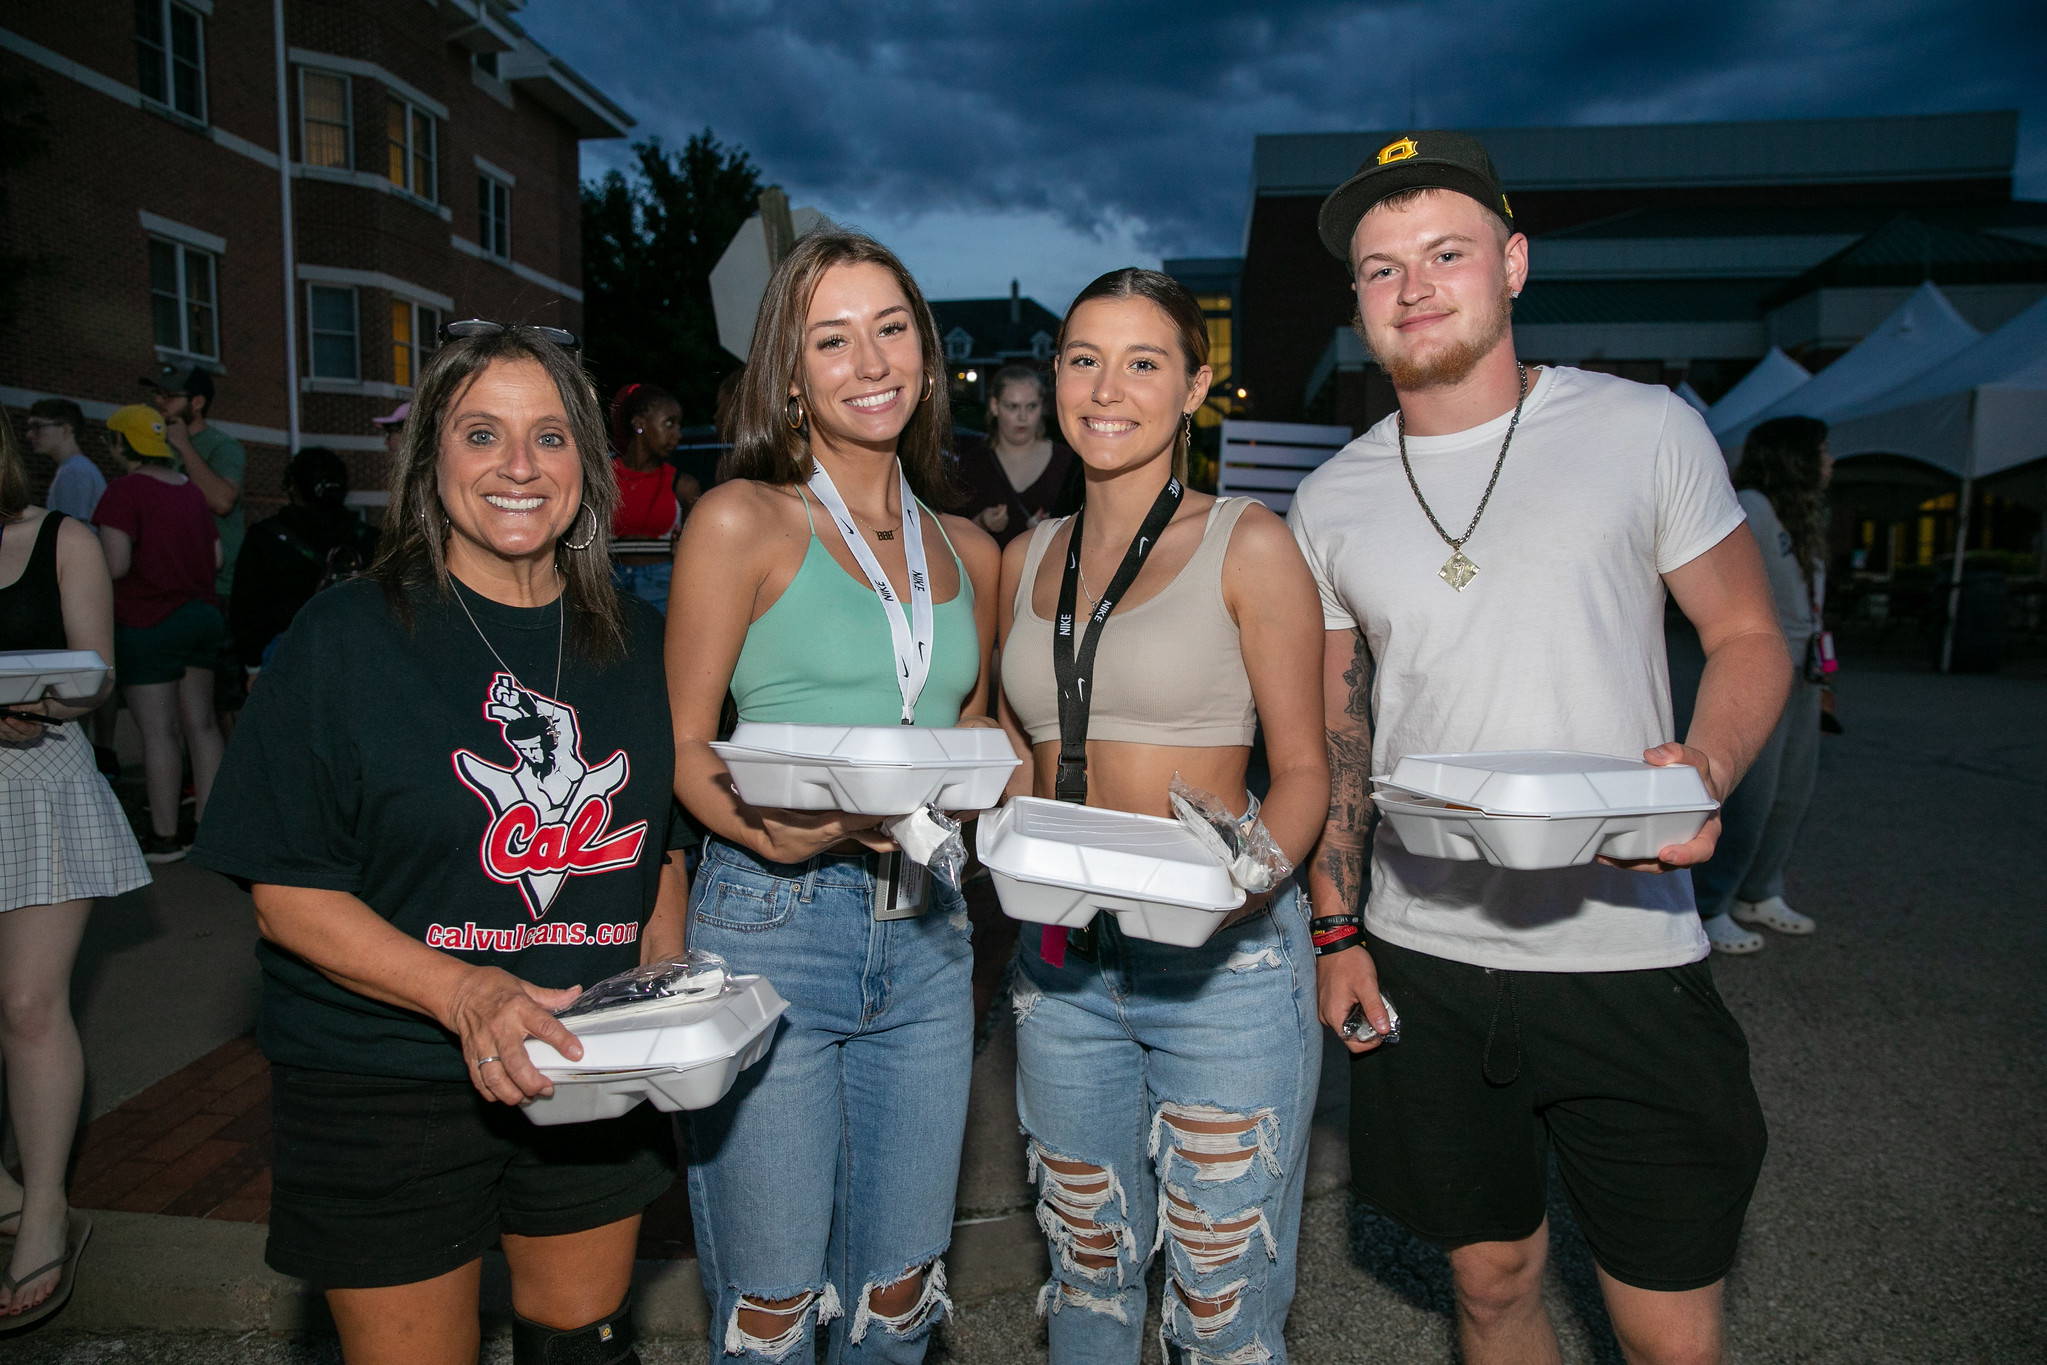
[
  {"x": 932, "y": 838},
  {"x": 1240, "y": 843},
  {"x": 1355, "y": 1022},
  {"x": 693, "y": 975}
]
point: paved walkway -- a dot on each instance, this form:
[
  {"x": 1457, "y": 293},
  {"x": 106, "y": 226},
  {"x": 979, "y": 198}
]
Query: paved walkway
[{"x": 1901, "y": 1054}]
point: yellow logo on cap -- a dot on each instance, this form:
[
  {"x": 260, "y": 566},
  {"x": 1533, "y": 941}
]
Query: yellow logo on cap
[
  {"x": 1397, "y": 151},
  {"x": 1505, "y": 207}
]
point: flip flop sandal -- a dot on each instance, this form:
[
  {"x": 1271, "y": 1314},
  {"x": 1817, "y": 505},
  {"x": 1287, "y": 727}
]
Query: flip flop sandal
[{"x": 78, "y": 1228}]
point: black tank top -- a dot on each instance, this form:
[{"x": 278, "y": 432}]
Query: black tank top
[{"x": 31, "y": 613}]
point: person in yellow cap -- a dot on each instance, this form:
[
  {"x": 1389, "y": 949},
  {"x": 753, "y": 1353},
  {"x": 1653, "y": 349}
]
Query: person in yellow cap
[{"x": 163, "y": 550}]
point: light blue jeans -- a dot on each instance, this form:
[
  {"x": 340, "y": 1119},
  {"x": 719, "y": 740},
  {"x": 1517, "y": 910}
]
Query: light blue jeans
[
  {"x": 1182, "y": 1077},
  {"x": 1761, "y": 818},
  {"x": 648, "y": 582},
  {"x": 830, "y": 1169}
]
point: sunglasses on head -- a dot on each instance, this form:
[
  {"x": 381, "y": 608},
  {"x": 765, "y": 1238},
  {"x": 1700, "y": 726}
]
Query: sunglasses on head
[{"x": 482, "y": 327}]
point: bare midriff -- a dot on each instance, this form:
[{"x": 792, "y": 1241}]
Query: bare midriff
[{"x": 1135, "y": 777}]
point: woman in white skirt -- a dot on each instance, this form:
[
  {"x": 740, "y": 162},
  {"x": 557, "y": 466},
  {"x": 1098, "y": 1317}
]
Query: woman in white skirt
[{"x": 63, "y": 842}]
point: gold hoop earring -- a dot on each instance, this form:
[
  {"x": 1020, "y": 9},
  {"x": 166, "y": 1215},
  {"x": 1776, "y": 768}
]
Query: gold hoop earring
[
  {"x": 588, "y": 540},
  {"x": 930, "y": 387},
  {"x": 793, "y": 412}
]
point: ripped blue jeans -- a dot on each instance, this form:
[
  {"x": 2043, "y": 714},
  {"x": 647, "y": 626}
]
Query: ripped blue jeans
[
  {"x": 1166, "y": 1094},
  {"x": 827, "y": 1175}
]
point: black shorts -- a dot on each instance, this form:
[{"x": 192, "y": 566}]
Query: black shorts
[
  {"x": 380, "y": 1181},
  {"x": 1638, "y": 1080}
]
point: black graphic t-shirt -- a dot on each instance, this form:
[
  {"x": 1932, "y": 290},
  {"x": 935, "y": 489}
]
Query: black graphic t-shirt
[{"x": 467, "y": 801}]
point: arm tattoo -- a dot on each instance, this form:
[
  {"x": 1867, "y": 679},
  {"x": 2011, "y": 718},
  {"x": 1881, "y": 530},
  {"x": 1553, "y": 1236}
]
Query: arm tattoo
[{"x": 1350, "y": 803}]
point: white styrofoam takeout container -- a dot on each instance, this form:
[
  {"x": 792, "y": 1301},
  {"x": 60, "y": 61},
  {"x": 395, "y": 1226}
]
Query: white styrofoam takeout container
[
  {"x": 1536, "y": 809},
  {"x": 1058, "y": 863},
  {"x": 67, "y": 674},
  {"x": 677, "y": 1054},
  {"x": 867, "y": 769}
]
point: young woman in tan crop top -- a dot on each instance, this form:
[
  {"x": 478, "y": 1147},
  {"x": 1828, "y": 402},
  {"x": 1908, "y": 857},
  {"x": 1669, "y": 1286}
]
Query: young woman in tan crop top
[{"x": 1167, "y": 1091}]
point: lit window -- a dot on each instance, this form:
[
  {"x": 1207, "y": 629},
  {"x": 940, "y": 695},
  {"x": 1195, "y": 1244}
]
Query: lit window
[
  {"x": 330, "y": 318},
  {"x": 414, "y": 328},
  {"x": 182, "y": 298},
  {"x": 170, "y": 56},
  {"x": 324, "y": 122},
  {"x": 409, "y": 135},
  {"x": 1219, "y": 347},
  {"x": 494, "y": 217}
]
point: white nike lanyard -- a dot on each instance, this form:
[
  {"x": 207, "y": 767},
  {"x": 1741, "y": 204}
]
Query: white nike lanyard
[{"x": 911, "y": 636}]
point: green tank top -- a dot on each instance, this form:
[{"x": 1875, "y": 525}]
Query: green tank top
[{"x": 822, "y": 655}]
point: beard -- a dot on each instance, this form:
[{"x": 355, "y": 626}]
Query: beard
[{"x": 1446, "y": 366}]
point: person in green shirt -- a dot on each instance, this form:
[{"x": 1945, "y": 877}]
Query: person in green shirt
[{"x": 208, "y": 456}]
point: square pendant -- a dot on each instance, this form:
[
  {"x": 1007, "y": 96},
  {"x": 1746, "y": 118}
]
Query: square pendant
[{"x": 1457, "y": 571}]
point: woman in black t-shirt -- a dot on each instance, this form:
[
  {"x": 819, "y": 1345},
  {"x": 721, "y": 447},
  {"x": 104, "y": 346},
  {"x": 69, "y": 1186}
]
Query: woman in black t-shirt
[
  {"x": 451, "y": 792},
  {"x": 1013, "y": 478}
]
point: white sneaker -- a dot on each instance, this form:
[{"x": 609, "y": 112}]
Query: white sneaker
[
  {"x": 1728, "y": 937},
  {"x": 1774, "y": 914}
]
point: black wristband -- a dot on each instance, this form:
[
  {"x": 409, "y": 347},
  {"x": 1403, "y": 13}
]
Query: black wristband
[{"x": 1335, "y": 934}]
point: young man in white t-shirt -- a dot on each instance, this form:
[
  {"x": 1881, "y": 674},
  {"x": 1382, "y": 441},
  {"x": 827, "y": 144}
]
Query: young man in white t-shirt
[{"x": 1493, "y": 561}]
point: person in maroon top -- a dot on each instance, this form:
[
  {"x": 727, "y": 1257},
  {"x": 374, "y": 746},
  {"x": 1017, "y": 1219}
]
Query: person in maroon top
[
  {"x": 653, "y": 498},
  {"x": 1011, "y": 479},
  {"x": 163, "y": 551}
]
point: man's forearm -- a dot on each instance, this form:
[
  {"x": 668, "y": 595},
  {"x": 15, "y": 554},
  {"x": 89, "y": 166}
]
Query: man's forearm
[
  {"x": 1336, "y": 876},
  {"x": 1741, "y": 697}
]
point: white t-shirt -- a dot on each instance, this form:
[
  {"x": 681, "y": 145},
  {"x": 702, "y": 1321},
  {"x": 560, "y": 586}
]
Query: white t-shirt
[
  {"x": 1557, "y": 644},
  {"x": 1797, "y": 600}
]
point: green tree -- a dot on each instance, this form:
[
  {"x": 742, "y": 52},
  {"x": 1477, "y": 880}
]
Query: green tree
[{"x": 649, "y": 243}]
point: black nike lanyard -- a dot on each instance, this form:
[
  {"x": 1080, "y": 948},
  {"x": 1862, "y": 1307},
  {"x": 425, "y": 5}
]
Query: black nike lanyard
[{"x": 1076, "y": 673}]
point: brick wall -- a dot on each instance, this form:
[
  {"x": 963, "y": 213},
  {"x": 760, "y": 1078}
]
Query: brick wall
[{"x": 82, "y": 328}]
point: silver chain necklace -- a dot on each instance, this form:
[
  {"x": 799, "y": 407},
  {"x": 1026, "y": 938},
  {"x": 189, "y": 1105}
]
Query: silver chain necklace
[
  {"x": 1457, "y": 570},
  {"x": 560, "y": 635}
]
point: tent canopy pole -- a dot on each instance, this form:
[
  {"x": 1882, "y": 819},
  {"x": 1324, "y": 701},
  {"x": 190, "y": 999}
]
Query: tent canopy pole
[{"x": 1954, "y": 589}]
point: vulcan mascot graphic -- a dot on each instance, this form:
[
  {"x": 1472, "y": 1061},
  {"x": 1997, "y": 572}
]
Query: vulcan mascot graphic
[{"x": 549, "y": 809}]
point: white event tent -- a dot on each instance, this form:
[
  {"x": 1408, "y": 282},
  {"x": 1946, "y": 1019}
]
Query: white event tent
[
  {"x": 1922, "y": 332},
  {"x": 1982, "y": 411},
  {"x": 1775, "y": 375}
]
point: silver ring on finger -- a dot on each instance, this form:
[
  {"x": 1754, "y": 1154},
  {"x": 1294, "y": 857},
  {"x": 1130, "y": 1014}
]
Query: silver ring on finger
[{"x": 486, "y": 1061}]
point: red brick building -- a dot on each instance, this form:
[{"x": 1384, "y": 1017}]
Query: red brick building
[{"x": 430, "y": 171}]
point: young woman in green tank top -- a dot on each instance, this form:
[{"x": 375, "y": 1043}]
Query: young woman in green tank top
[{"x": 823, "y": 1185}]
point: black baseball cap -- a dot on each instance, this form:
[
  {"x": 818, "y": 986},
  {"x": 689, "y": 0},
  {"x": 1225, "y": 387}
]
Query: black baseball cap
[
  {"x": 194, "y": 381},
  {"x": 1433, "y": 159}
]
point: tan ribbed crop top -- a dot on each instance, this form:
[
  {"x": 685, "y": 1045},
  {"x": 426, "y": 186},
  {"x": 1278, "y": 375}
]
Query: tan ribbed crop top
[{"x": 1167, "y": 671}]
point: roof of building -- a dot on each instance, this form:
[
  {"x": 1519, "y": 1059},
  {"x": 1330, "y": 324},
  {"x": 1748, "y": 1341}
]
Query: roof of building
[
  {"x": 1910, "y": 250},
  {"x": 1774, "y": 152},
  {"x": 1644, "y": 300},
  {"x": 1816, "y": 220},
  {"x": 987, "y": 322}
]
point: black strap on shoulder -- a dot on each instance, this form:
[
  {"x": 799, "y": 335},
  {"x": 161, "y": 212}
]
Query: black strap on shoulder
[{"x": 1075, "y": 671}]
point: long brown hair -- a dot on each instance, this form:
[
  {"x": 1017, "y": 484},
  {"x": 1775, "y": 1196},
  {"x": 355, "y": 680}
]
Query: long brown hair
[
  {"x": 764, "y": 445},
  {"x": 1781, "y": 460},
  {"x": 1015, "y": 372},
  {"x": 414, "y": 551},
  {"x": 13, "y": 478},
  {"x": 1181, "y": 308}
]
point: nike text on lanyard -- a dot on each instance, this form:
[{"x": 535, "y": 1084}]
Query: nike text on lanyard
[
  {"x": 911, "y": 635},
  {"x": 1075, "y": 671}
]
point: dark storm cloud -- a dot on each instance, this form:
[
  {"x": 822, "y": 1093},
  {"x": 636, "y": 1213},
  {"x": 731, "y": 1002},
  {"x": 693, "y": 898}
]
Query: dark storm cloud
[{"x": 1142, "y": 114}]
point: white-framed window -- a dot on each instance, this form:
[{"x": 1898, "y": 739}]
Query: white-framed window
[
  {"x": 331, "y": 323},
  {"x": 1041, "y": 346},
  {"x": 409, "y": 143},
  {"x": 494, "y": 216},
  {"x": 326, "y": 127},
  {"x": 170, "y": 56},
  {"x": 959, "y": 344},
  {"x": 184, "y": 298},
  {"x": 415, "y": 329}
]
